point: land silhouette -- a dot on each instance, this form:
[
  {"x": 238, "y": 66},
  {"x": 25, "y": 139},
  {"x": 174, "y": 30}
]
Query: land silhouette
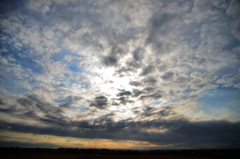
[{"x": 76, "y": 153}]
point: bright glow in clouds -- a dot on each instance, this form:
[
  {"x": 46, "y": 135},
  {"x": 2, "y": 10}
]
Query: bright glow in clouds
[
  {"x": 120, "y": 74},
  {"x": 115, "y": 83}
]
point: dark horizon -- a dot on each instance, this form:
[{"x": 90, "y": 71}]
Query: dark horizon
[
  {"x": 103, "y": 149},
  {"x": 75, "y": 153}
]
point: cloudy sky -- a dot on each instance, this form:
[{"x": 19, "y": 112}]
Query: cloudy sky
[{"x": 138, "y": 74}]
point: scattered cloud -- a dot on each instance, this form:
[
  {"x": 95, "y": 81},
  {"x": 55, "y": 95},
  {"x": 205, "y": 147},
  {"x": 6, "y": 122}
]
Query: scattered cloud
[{"x": 145, "y": 71}]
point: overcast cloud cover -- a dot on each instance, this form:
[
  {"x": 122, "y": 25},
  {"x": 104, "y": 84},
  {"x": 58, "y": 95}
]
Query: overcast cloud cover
[{"x": 120, "y": 74}]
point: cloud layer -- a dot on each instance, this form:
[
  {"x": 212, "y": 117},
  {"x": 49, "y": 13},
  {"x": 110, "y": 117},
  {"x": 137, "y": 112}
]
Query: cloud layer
[{"x": 162, "y": 72}]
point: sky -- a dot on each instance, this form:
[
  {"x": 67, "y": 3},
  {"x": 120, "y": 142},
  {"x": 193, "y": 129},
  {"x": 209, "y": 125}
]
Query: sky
[{"x": 139, "y": 74}]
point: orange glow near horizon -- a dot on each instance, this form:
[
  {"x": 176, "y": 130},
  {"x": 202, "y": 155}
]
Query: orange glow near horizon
[{"x": 71, "y": 142}]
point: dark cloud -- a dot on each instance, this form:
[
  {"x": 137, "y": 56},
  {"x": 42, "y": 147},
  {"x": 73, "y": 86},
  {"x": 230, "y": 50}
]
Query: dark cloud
[
  {"x": 66, "y": 105},
  {"x": 233, "y": 11},
  {"x": 114, "y": 103},
  {"x": 124, "y": 100},
  {"x": 151, "y": 96},
  {"x": 33, "y": 107},
  {"x": 124, "y": 93},
  {"x": 9, "y": 110},
  {"x": 138, "y": 54},
  {"x": 32, "y": 102},
  {"x": 100, "y": 102},
  {"x": 1, "y": 102},
  {"x": 147, "y": 70},
  {"x": 159, "y": 114},
  {"x": 26, "y": 102},
  {"x": 181, "y": 79},
  {"x": 159, "y": 20},
  {"x": 49, "y": 114},
  {"x": 77, "y": 98},
  {"x": 106, "y": 119},
  {"x": 88, "y": 39},
  {"x": 147, "y": 112},
  {"x": 158, "y": 26},
  {"x": 212, "y": 133},
  {"x": 167, "y": 76},
  {"x": 133, "y": 64},
  {"x": 25, "y": 144},
  {"x": 136, "y": 92},
  {"x": 118, "y": 51},
  {"x": 149, "y": 89},
  {"x": 69, "y": 101},
  {"x": 124, "y": 71},
  {"x": 180, "y": 132},
  {"x": 110, "y": 61},
  {"x": 150, "y": 80},
  {"x": 164, "y": 113},
  {"x": 118, "y": 43},
  {"x": 135, "y": 83},
  {"x": 31, "y": 114},
  {"x": 199, "y": 86},
  {"x": 146, "y": 92}
]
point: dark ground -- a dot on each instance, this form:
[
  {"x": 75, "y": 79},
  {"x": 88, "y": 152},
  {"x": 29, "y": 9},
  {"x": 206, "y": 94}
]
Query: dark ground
[{"x": 39, "y": 153}]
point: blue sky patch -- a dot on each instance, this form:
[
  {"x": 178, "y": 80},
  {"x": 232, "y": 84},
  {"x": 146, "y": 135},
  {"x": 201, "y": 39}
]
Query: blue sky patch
[
  {"x": 222, "y": 98},
  {"x": 156, "y": 103}
]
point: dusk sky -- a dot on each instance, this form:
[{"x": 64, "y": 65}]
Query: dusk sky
[{"x": 118, "y": 74}]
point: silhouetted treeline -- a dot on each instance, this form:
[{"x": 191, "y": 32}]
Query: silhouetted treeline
[{"x": 120, "y": 152}]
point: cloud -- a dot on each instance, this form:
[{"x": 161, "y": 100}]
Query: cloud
[
  {"x": 33, "y": 102},
  {"x": 135, "y": 83},
  {"x": 153, "y": 96},
  {"x": 27, "y": 144},
  {"x": 41, "y": 6},
  {"x": 190, "y": 133},
  {"x": 110, "y": 61},
  {"x": 233, "y": 11},
  {"x": 138, "y": 54},
  {"x": 124, "y": 100},
  {"x": 136, "y": 92},
  {"x": 162, "y": 68},
  {"x": 2, "y": 102},
  {"x": 147, "y": 70},
  {"x": 158, "y": 24},
  {"x": 125, "y": 71},
  {"x": 121, "y": 70},
  {"x": 167, "y": 75},
  {"x": 124, "y": 93},
  {"x": 149, "y": 89},
  {"x": 100, "y": 102},
  {"x": 150, "y": 80},
  {"x": 180, "y": 132}
]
